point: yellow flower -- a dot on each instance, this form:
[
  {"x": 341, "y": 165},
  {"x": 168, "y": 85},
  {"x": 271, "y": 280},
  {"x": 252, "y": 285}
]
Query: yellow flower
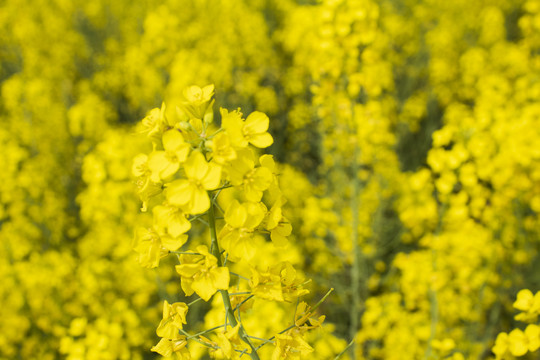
[
  {"x": 278, "y": 283},
  {"x": 222, "y": 151},
  {"x": 278, "y": 225},
  {"x": 154, "y": 123},
  {"x": 241, "y": 221},
  {"x": 242, "y": 172},
  {"x": 529, "y": 304},
  {"x": 166, "y": 163},
  {"x": 166, "y": 347},
  {"x": 500, "y": 349},
  {"x": 251, "y": 131},
  {"x": 148, "y": 245},
  {"x": 200, "y": 274},
  {"x": 291, "y": 346},
  {"x": 190, "y": 193},
  {"x": 197, "y": 102},
  {"x": 171, "y": 219},
  {"x": 518, "y": 344},
  {"x": 174, "y": 316},
  {"x": 226, "y": 342},
  {"x": 532, "y": 332},
  {"x": 145, "y": 187}
]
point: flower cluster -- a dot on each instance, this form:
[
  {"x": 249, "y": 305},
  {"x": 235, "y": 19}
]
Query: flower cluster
[{"x": 192, "y": 163}]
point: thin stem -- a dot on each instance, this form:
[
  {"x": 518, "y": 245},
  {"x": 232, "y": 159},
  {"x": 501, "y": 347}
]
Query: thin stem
[
  {"x": 355, "y": 268},
  {"x": 225, "y": 293},
  {"x": 238, "y": 275},
  {"x": 203, "y": 332},
  {"x": 344, "y": 350},
  {"x": 242, "y": 303},
  {"x": 184, "y": 253},
  {"x": 194, "y": 301},
  {"x": 256, "y": 338}
]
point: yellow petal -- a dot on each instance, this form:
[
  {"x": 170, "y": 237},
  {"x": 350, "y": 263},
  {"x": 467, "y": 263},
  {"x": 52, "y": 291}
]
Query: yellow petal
[
  {"x": 164, "y": 347},
  {"x": 179, "y": 192},
  {"x": 173, "y": 243},
  {"x": 533, "y": 336},
  {"x": 278, "y": 240},
  {"x": 220, "y": 277},
  {"x": 178, "y": 225},
  {"x": 256, "y": 123},
  {"x": 262, "y": 178},
  {"x": 235, "y": 215},
  {"x": 186, "y": 286},
  {"x": 200, "y": 202},
  {"x": 252, "y": 194},
  {"x": 524, "y": 300},
  {"x": 172, "y": 140},
  {"x": 204, "y": 287},
  {"x": 196, "y": 166},
  {"x": 167, "y": 330},
  {"x": 262, "y": 140},
  {"x": 188, "y": 270},
  {"x": 518, "y": 343},
  {"x": 268, "y": 162},
  {"x": 212, "y": 178}
]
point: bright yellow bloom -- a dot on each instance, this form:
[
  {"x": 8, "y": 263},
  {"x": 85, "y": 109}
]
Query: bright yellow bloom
[
  {"x": 166, "y": 347},
  {"x": 278, "y": 225},
  {"x": 291, "y": 346},
  {"x": 518, "y": 344},
  {"x": 251, "y": 131},
  {"x": 197, "y": 102},
  {"x": 154, "y": 123},
  {"x": 171, "y": 220},
  {"x": 242, "y": 172},
  {"x": 241, "y": 222},
  {"x": 166, "y": 163},
  {"x": 200, "y": 274},
  {"x": 191, "y": 193},
  {"x": 532, "y": 332},
  {"x": 145, "y": 187},
  {"x": 148, "y": 245},
  {"x": 529, "y": 304},
  {"x": 500, "y": 349},
  {"x": 222, "y": 151},
  {"x": 255, "y": 129},
  {"x": 152, "y": 245},
  {"x": 226, "y": 342},
  {"x": 174, "y": 316},
  {"x": 279, "y": 283}
]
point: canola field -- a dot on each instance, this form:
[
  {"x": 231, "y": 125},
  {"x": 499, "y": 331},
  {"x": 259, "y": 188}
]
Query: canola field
[{"x": 270, "y": 179}]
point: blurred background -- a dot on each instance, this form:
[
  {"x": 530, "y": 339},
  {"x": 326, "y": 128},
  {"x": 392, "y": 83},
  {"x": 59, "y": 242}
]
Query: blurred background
[{"x": 407, "y": 133}]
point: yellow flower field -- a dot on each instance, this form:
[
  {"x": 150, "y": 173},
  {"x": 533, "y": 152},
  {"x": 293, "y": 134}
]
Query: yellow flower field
[{"x": 270, "y": 179}]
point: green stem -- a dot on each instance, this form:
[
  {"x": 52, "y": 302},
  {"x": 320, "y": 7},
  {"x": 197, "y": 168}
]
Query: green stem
[
  {"x": 225, "y": 293},
  {"x": 355, "y": 268}
]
